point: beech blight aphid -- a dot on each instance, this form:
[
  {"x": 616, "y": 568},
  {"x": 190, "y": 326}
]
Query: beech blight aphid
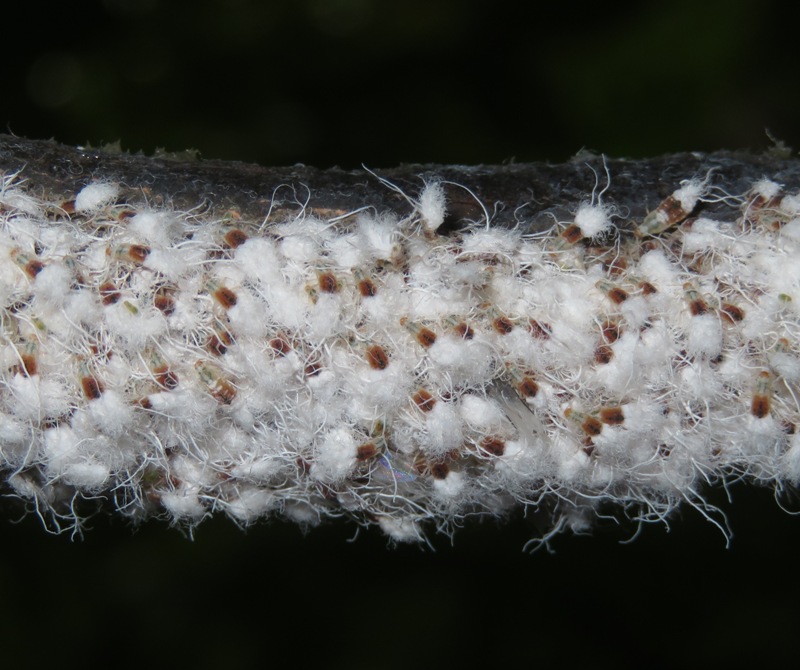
[
  {"x": 366, "y": 287},
  {"x": 424, "y": 400},
  {"x": 589, "y": 424},
  {"x": 219, "y": 341},
  {"x": 523, "y": 382},
  {"x": 493, "y": 446},
  {"x": 164, "y": 301},
  {"x": 28, "y": 365},
  {"x": 280, "y": 345},
  {"x": 614, "y": 293},
  {"x": 377, "y": 358},
  {"x": 91, "y": 386},
  {"x": 327, "y": 282},
  {"x": 673, "y": 209},
  {"x": 697, "y": 305},
  {"x": 31, "y": 265},
  {"x": 568, "y": 237},
  {"x": 612, "y": 416},
  {"x": 312, "y": 368},
  {"x": 439, "y": 470},
  {"x": 366, "y": 451},
  {"x": 134, "y": 253},
  {"x": 109, "y": 293},
  {"x": 647, "y": 288},
  {"x": 425, "y": 336},
  {"x": 369, "y": 450},
  {"x": 603, "y": 354},
  {"x": 500, "y": 322},
  {"x": 220, "y": 388},
  {"x": 609, "y": 331},
  {"x": 539, "y": 329},
  {"x": 162, "y": 374},
  {"x": 762, "y": 395},
  {"x": 224, "y": 297},
  {"x": 732, "y": 313},
  {"x": 763, "y": 208},
  {"x": 460, "y": 328},
  {"x": 235, "y": 238}
]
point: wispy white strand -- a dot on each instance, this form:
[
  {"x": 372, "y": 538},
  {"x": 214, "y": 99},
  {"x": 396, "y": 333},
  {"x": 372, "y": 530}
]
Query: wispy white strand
[{"x": 366, "y": 366}]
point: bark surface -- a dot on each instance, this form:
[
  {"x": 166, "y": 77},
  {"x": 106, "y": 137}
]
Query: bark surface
[{"x": 532, "y": 192}]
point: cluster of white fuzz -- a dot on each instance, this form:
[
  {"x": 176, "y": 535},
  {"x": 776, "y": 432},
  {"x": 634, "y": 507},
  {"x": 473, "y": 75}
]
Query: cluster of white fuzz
[{"x": 181, "y": 364}]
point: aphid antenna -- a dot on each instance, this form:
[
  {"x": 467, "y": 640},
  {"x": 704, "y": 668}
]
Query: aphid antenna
[
  {"x": 395, "y": 188},
  {"x": 274, "y": 199},
  {"x": 595, "y": 194},
  {"x": 477, "y": 199},
  {"x": 336, "y": 219}
]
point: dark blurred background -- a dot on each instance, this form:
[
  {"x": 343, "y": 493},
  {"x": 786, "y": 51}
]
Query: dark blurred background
[
  {"x": 351, "y": 82},
  {"x": 372, "y": 81}
]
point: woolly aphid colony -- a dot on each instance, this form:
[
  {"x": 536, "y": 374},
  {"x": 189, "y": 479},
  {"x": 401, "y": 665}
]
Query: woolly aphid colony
[{"x": 177, "y": 364}]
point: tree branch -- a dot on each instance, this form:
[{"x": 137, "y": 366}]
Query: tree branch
[{"x": 406, "y": 347}]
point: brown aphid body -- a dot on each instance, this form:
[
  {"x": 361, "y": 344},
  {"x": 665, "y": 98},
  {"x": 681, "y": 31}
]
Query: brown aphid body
[
  {"x": 572, "y": 234},
  {"x": 235, "y": 238},
  {"x": 589, "y": 424},
  {"x": 109, "y": 293},
  {"x": 29, "y": 366},
  {"x": 609, "y": 331},
  {"x": 614, "y": 293},
  {"x": 327, "y": 282},
  {"x": 425, "y": 336},
  {"x": 366, "y": 451},
  {"x": 220, "y": 340},
  {"x": 280, "y": 345},
  {"x": 165, "y": 377},
  {"x": 527, "y": 387},
  {"x": 424, "y": 400},
  {"x": 143, "y": 403},
  {"x": 92, "y": 387},
  {"x": 220, "y": 388},
  {"x": 539, "y": 329},
  {"x": 669, "y": 213},
  {"x": 761, "y": 404},
  {"x": 439, "y": 470},
  {"x": 464, "y": 331},
  {"x": 377, "y": 357},
  {"x": 223, "y": 391},
  {"x": 731, "y": 313},
  {"x": 366, "y": 287},
  {"x": 31, "y": 266},
  {"x": 224, "y": 297},
  {"x": 312, "y": 368},
  {"x": 503, "y": 325},
  {"x": 603, "y": 353},
  {"x": 617, "y": 267},
  {"x": 493, "y": 446},
  {"x": 612, "y": 416},
  {"x": 647, "y": 288},
  {"x": 523, "y": 382},
  {"x": 697, "y": 306},
  {"x": 134, "y": 253},
  {"x": 164, "y": 301}
]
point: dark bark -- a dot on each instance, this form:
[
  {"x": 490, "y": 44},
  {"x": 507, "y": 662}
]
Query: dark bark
[{"x": 533, "y": 193}]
